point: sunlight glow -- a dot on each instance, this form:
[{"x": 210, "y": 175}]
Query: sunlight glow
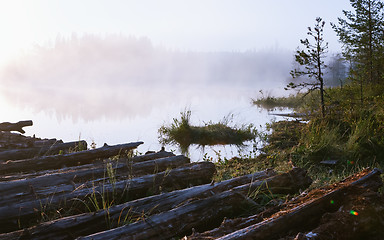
[
  {"x": 7, "y": 113},
  {"x": 17, "y": 27}
]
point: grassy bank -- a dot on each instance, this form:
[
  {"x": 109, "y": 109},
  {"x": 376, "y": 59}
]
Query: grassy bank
[
  {"x": 270, "y": 102},
  {"x": 351, "y": 135}
]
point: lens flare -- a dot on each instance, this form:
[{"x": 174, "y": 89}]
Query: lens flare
[{"x": 354, "y": 213}]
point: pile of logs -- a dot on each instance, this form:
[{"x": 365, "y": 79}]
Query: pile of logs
[
  {"x": 303, "y": 216},
  {"x": 55, "y": 190}
]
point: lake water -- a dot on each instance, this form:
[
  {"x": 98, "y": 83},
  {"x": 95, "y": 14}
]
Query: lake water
[
  {"x": 128, "y": 118},
  {"x": 116, "y": 89}
]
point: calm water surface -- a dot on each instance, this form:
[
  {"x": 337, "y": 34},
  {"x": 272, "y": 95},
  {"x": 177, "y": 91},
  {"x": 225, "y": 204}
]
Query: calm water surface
[
  {"x": 136, "y": 116},
  {"x": 117, "y": 89}
]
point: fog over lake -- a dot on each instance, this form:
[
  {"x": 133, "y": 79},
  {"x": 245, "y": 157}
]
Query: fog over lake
[{"x": 116, "y": 89}]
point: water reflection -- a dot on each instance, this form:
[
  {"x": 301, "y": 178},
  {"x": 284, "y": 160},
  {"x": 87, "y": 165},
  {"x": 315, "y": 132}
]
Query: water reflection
[{"x": 115, "y": 89}]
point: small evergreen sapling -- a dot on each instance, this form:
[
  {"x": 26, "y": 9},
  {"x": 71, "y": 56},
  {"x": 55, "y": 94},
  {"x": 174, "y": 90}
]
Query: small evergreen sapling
[{"x": 312, "y": 59}]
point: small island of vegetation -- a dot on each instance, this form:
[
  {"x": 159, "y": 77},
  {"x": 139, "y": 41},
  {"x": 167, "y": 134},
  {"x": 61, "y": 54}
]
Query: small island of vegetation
[{"x": 183, "y": 134}]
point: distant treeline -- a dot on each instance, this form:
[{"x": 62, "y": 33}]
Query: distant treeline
[
  {"x": 116, "y": 59},
  {"x": 116, "y": 75}
]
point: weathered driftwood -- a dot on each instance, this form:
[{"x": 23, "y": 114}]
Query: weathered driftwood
[
  {"x": 231, "y": 225},
  {"x": 75, "y": 226},
  {"x": 29, "y": 175},
  {"x": 56, "y": 148},
  {"x": 95, "y": 164},
  {"x": 70, "y": 159},
  {"x": 303, "y": 215},
  {"x": 7, "y": 126},
  {"x": 198, "y": 213},
  {"x": 10, "y": 140},
  {"x": 360, "y": 217},
  {"x": 146, "y": 157},
  {"x": 28, "y": 188},
  {"x": 176, "y": 221},
  {"x": 25, "y": 211},
  {"x": 153, "y": 166}
]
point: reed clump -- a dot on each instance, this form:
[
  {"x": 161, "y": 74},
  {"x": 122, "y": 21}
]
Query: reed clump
[{"x": 180, "y": 132}]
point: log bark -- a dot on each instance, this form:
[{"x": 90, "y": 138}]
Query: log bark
[
  {"x": 94, "y": 164},
  {"x": 23, "y": 212},
  {"x": 30, "y": 175},
  {"x": 305, "y": 214},
  {"x": 8, "y": 127},
  {"x": 58, "y": 161},
  {"x": 344, "y": 225},
  {"x": 200, "y": 212},
  {"x": 153, "y": 166},
  {"x": 29, "y": 188},
  {"x": 75, "y": 226},
  {"x": 177, "y": 221},
  {"x": 146, "y": 157},
  {"x": 56, "y": 148},
  {"x": 9, "y": 140}
]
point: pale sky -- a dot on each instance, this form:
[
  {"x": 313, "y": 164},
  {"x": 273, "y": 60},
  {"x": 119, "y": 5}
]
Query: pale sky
[{"x": 191, "y": 25}]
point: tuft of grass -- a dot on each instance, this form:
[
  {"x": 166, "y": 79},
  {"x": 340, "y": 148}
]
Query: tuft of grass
[
  {"x": 183, "y": 134},
  {"x": 269, "y": 102}
]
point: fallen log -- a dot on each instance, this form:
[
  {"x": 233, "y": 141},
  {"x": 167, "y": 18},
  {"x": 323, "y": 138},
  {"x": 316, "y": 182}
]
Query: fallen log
[
  {"x": 151, "y": 156},
  {"x": 299, "y": 216},
  {"x": 20, "y": 213},
  {"x": 8, "y": 127},
  {"x": 70, "y": 159},
  {"x": 9, "y": 140},
  {"x": 95, "y": 164},
  {"x": 30, "y": 175},
  {"x": 200, "y": 212},
  {"x": 75, "y": 226},
  {"x": 56, "y": 148},
  {"x": 153, "y": 166},
  {"x": 29, "y": 188},
  {"x": 37, "y": 142},
  {"x": 176, "y": 221},
  {"x": 360, "y": 217}
]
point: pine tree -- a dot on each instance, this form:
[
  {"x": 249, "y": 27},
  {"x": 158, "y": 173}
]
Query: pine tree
[
  {"x": 337, "y": 71},
  {"x": 362, "y": 36},
  {"x": 312, "y": 59}
]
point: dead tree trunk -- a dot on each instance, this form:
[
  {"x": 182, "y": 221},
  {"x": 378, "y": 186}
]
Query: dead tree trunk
[
  {"x": 67, "y": 197},
  {"x": 178, "y": 221},
  {"x": 153, "y": 166},
  {"x": 56, "y": 148},
  {"x": 167, "y": 224},
  {"x": 7, "y": 126},
  {"x": 30, "y": 175},
  {"x": 93, "y": 165},
  {"x": 71, "y": 159},
  {"x": 146, "y": 157},
  {"x": 21, "y": 189},
  {"x": 301, "y": 215},
  {"x": 75, "y": 226},
  {"x": 9, "y": 141}
]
